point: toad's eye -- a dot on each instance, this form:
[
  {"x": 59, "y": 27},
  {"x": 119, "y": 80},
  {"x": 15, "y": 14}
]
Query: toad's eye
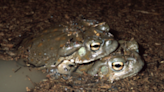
[
  {"x": 117, "y": 66},
  {"x": 95, "y": 46}
]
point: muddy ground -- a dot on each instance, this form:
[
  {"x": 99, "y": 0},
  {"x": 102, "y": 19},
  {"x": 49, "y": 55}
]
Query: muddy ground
[{"x": 142, "y": 20}]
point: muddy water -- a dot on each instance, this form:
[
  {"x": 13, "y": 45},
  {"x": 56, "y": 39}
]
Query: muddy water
[{"x": 17, "y": 81}]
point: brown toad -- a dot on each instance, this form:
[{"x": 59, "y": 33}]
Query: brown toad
[
  {"x": 83, "y": 40},
  {"x": 122, "y": 63}
]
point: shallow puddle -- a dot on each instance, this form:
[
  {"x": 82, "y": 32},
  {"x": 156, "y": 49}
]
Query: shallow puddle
[{"x": 14, "y": 78}]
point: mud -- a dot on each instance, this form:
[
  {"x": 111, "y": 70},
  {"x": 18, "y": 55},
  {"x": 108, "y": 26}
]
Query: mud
[{"x": 142, "y": 20}]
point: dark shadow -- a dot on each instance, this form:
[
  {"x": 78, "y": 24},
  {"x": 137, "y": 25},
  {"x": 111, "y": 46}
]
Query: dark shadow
[
  {"x": 114, "y": 32},
  {"x": 141, "y": 53}
]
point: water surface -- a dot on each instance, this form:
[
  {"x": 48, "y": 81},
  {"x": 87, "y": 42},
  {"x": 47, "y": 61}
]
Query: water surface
[{"x": 14, "y": 77}]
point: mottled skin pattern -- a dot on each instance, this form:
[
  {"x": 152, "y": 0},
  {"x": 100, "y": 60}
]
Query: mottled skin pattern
[
  {"x": 124, "y": 62},
  {"x": 82, "y": 40},
  {"x": 117, "y": 67}
]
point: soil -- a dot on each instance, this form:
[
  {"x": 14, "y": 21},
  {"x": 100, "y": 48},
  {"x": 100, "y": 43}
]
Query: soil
[{"x": 142, "y": 20}]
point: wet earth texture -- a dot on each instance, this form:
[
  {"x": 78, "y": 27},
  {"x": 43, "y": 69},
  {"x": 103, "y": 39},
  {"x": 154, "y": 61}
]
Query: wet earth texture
[{"x": 142, "y": 20}]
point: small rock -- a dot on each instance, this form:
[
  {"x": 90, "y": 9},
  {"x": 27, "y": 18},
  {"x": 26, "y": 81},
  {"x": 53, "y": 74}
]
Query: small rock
[
  {"x": 9, "y": 39},
  {"x": 126, "y": 20},
  {"x": 5, "y": 40},
  {"x": 2, "y": 34},
  {"x": 157, "y": 44},
  {"x": 11, "y": 53},
  {"x": 5, "y": 48},
  {"x": 45, "y": 80},
  {"x": 162, "y": 61},
  {"x": 7, "y": 45},
  {"x": 1, "y": 25},
  {"x": 27, "y": 89},
  {"x": 145, "y": 54}
]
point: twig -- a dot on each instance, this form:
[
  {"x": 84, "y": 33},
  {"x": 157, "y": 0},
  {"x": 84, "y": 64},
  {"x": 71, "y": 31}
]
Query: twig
[
  {"x": 30, "y": 80},
  {"x": 146, "y": 12},
  {"x": 17, "y": 69}
]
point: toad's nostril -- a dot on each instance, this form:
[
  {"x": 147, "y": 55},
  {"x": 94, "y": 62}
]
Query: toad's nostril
[{"x": 65, "y": 69}]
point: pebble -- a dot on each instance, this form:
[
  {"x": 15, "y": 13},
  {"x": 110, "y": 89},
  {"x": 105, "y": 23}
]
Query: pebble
[{"x": 2, "y": 34}]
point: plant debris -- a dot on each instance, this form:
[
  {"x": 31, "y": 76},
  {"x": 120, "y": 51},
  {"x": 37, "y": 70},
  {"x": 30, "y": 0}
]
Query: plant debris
[{"x": 142, "y": 20}]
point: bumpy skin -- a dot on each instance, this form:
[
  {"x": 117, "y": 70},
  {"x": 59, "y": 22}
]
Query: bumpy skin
[
  {"x": 66, "y": 66},
  {"x": 69, "y": 41},
  {"x": 132, "y": 65},
  {"x": 127, "y": 55}
]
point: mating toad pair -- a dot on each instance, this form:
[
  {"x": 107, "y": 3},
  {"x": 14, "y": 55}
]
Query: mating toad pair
[{"x": 82, "y": 46}]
